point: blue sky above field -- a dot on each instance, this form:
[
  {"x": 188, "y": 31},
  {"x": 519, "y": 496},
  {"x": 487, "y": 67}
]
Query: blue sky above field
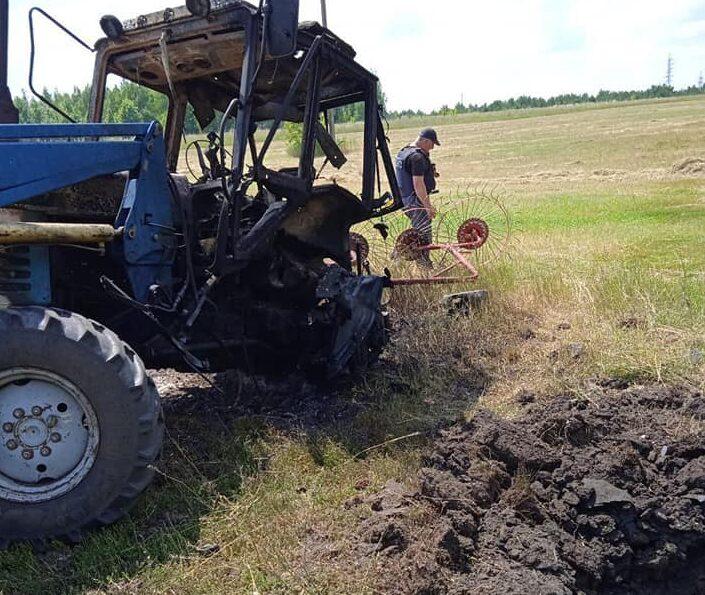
[{"x": 430, "y": 53}]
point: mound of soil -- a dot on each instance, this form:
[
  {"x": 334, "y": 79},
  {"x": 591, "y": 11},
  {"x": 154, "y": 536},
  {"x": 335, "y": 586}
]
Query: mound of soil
[
  {"x": 690, "y": 167},
  {"x": 601, "y": 494}
]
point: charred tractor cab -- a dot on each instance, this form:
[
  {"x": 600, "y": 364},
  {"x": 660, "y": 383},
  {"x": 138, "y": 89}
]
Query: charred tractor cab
[{"x": 111, "y": 261}]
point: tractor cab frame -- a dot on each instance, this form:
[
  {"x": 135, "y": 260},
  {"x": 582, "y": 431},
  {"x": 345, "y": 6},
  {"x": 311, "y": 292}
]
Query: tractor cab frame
[
  {"x": 219, "y": 65},
  {"x": 244, "y": 232}
]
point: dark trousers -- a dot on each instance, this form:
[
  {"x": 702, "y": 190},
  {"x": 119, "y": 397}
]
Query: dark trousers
[{"x": 421, "y": 222}]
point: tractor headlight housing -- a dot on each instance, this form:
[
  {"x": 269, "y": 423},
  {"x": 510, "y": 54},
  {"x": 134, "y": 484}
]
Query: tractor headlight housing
[
  {"x": 111, "y": 26},
  {"x": 199, "y": 8}
]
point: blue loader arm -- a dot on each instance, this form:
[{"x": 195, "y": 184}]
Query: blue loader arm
[{"x": 40, "y": 158}]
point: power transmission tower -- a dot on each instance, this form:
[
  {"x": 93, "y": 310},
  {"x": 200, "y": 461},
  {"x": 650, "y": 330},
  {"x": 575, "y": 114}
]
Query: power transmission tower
[
  {"x": 701, "y": 82},
  {"x": 669, "y": 71}
]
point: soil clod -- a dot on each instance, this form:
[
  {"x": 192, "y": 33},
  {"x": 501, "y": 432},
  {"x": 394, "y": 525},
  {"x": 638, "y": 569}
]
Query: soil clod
[{"x": 596, "y": 496}]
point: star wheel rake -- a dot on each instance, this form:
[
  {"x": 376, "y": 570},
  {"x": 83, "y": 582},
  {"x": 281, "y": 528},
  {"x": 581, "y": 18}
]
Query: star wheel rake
[
  {"x": 395, "y": 245},
  {"x": 478, "y": 222},
  {"x": 472, "y": 228}
]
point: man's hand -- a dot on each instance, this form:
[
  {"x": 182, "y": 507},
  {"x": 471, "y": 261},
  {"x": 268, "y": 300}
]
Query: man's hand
[{"x": 422, "y": 194}]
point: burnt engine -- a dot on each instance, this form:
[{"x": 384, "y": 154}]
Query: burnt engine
[{"x": 290, "y": 302}]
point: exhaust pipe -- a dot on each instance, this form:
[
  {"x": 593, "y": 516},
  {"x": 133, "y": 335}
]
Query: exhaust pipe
[
  {"x": 8, "y": 111},
  {"x": 56, "y": 234}
]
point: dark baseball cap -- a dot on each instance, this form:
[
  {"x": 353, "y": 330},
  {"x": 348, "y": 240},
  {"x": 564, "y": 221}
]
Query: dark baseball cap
[{"x": 430, "y": 134}]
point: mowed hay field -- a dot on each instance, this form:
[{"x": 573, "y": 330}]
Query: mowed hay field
[{"x": 605, "y": 280}]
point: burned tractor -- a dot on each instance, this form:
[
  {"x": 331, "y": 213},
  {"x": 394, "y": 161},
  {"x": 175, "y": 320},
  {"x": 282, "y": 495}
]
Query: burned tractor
[{"x": 111, "y": 262}]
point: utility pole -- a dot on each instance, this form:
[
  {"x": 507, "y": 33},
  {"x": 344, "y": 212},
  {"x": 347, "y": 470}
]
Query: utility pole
[
  {"x": 669, "y": 71},
  {"x": 8, "y": 111},
  {"x": 330, "y": 114},
  {"x": 701, "y": 82}
]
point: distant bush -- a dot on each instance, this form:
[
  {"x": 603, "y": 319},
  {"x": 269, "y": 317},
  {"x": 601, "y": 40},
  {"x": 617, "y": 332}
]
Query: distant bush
[
  {"x": 293, "y": 136},
  {"x": 293, "y": 133}
]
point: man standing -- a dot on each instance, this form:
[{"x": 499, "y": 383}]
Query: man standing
[{"x": 416, "y": 176}]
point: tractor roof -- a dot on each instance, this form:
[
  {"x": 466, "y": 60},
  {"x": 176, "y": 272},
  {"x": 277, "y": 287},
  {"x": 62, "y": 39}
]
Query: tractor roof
[{"x": 205, "y": 59}]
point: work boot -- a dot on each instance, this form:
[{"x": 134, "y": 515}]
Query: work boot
[{"x": 424, "y": 262}]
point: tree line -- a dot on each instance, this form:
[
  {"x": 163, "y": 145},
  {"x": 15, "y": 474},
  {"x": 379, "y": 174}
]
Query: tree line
[
  {"x": 128, "y": 102},
  {"x": 526, "y": 101}
]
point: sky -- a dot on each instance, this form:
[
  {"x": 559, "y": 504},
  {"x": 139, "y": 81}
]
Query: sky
[{"x": 428, "y": 53}]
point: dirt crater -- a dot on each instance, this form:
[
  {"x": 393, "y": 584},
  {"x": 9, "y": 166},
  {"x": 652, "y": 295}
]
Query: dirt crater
[{"x": 599, "y": 494}]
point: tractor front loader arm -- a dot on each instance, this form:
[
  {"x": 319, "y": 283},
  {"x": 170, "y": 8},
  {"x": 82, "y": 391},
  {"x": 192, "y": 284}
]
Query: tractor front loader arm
[{"x": 37, "y": 159}]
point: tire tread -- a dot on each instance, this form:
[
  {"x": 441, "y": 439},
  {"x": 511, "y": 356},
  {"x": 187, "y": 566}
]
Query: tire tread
[{"x": 139, "y": 386}]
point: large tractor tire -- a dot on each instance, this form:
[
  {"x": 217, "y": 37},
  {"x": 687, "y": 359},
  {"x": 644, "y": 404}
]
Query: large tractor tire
[{"x": 80, "y": 426}]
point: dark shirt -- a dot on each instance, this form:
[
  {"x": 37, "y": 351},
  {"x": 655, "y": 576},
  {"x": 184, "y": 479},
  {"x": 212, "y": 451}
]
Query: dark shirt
[
  {"x": 410, "y": 162},
  {"x": 417, "y": 164}
]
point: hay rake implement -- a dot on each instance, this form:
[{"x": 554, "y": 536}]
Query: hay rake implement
[{"x": 472, "y": 229}]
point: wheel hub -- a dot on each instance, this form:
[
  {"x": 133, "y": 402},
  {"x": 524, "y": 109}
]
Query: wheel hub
[
  {"x": 473, "y": 233},
  {"x": 49, "y": 435},
  {"x": 31, "y": 432},
  {"x": 409, "y": 245}
]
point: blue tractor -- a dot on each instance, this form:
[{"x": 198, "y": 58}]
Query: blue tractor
[{"x": 112, "y": 262}]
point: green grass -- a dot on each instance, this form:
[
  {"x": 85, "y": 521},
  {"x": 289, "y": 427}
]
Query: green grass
[{"x": 602, "y": 260}]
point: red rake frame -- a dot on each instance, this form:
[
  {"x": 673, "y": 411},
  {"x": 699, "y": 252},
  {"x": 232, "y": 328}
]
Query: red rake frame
[
  {"x": 473, "y": 228},
  {"x": 456, "y": 250}
]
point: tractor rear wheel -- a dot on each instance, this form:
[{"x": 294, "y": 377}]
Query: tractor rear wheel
[{"x": 80, "y": 425}]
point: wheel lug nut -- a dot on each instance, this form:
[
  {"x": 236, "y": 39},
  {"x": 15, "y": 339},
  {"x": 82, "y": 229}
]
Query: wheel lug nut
[
  {"x": 11, "y": 444},
  {"x": 37, "y": 411},
  {"x": 27, "y": 454},
  {"x": 55, "y": 437},
  {"x": 8, "y": 427},
  {"x": 18, "y": 413},
  {"x": 52, "y": 421},
  {"x": 45, "y": 451}
]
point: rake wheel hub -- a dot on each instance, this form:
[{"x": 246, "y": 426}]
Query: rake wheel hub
[
  {"x": 473, "y": 233},
  {"x": 408, "y": 245}
]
